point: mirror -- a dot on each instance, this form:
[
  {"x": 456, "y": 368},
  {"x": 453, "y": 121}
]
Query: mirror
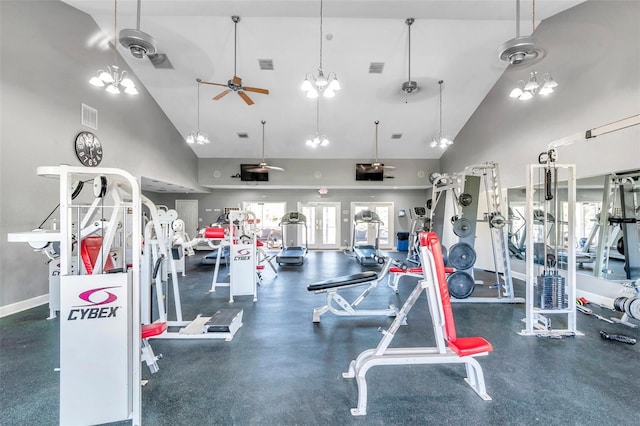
[{"x": 606, "y": 247}]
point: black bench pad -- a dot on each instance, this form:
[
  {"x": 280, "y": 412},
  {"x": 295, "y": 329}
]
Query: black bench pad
[{"x": 343, "y": 281}]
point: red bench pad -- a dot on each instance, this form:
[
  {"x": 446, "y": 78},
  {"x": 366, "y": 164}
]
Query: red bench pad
[{"x": 150, "y": 330}]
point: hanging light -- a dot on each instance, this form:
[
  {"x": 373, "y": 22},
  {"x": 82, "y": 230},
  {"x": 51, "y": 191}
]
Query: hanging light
[
  {"x": 320, "y": 84},
  {"x": 533, "y": 87},
  {"x": 112, "y": 78},
  {"x": 318, "y": 139},
  {"x": 441, "y": 141},
  {"x": 195, "y": 136}
]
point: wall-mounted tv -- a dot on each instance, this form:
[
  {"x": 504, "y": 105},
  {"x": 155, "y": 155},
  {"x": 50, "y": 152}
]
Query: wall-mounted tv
[
  {"x": 247, "y": 176},
  {"x": 365, "y": 172}
]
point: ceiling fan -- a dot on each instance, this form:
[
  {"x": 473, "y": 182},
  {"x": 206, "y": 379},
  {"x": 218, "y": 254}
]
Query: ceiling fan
[
  {"x": 263, "y": 166},
  {"x": 141, "y": 44},
  {"x": 376, "y": 166},
  {"x": 409, "y": 86},
  {"x": 235, "y": 84}
]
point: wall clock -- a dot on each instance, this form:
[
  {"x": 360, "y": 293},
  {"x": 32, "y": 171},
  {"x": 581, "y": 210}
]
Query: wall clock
[{"x": 88, "y": 149}]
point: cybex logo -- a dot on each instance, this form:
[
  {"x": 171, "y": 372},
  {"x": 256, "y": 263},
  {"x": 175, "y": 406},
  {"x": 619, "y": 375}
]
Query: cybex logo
[
  {"x": 95, "y": 297},
  {"x": 244, "y": 252}
]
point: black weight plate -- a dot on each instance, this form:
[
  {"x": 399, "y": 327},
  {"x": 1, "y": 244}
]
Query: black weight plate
[
  {"x": 462, "y": 256},
  {"x": 460, "y": 284},
  {"x": 465, "y": 199},
  {"x": 620, "y": 245},
  {"x": 462, "y": 228}
]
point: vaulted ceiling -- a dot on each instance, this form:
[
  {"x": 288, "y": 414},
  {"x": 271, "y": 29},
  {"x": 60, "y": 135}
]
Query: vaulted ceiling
[{"x": 456, "y": 41}]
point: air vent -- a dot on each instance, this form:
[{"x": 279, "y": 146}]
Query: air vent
[
  {"x": 396, "y": 135},
  {"x": 243, "y": 135},
  {"x": 376, "y": 67},
  {"x": 89, "y": 117},
  {"x": 266, "y": 64}
]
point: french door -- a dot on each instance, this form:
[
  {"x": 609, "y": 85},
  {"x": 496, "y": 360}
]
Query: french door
[{"x": 323, "y": 224}]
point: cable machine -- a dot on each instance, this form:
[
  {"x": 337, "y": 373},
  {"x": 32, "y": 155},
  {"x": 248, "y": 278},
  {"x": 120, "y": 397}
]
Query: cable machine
[{"x": 548, "y": 292}]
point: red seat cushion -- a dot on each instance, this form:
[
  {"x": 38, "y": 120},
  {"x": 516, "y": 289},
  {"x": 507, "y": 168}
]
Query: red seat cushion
[
  {"x": 150, "y": 330},
  {"x": 217, "y": 233},
  {"x": 259, "y": 267},
  {"x": 464, "y": 346},
  {"x": 395, "y": 270}
]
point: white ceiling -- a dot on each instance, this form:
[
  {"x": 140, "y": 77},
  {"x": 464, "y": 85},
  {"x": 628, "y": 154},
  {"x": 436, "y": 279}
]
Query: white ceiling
[{"x": 456, "y": 41}]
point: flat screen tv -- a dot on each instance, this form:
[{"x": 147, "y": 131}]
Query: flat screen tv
[
  {"x": 247, "y": 176},
  {"x": 364, "y": 172}
]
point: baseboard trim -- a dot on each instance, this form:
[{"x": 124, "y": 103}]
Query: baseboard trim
[{"x": 14, "y": 308}]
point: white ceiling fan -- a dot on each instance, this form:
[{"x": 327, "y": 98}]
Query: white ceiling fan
[
  {"x": 141, "y": 44},
  {"x": 263, "y": 166},
  {"x": 376, "y": 166}
]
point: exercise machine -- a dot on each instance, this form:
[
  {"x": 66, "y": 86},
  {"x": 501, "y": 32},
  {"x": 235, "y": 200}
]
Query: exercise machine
[
  {"x": 419, "y": 222},
  {"x": 366, "y": 233},
  {"x": 448, "y": 349},
  {"x": 338, "y": 305},
  {"x": 294, "y": 239},
  {"x": 548, "y": 292}
]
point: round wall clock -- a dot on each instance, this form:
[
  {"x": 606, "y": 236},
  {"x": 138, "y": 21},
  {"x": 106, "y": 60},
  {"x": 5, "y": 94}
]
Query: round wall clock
[{"x": 88, "y": 149}]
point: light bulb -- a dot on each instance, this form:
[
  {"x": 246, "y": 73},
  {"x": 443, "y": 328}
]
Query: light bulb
[
  {"x": 127, "y": 82},
  {"x": 131, "y": 91},
  {"x": 105, "y": 76},
  {"x": 515, "y": 93},
  {"x": 526, "y": 95},
  {"x": 113, "y": 89},
  {"x": 545, "y": 90},
  {"x": 334, "y": 85},
  {"x": 190, "y": 139},
  {"x": 312, "y": 94},
  {"x": 95, "y": 81},
  {"x": 325, "y": 142},
  {"x": 306, "y": 85},
  {"x": 328, "y": 93},
  {"x": 434, "y": 143}
]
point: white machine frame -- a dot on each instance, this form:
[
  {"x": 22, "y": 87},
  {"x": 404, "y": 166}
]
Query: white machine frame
[{"x": 445, "y": 351}]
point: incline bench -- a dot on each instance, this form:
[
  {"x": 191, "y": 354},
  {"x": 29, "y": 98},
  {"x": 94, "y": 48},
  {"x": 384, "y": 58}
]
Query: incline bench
[{"x": 449, "y": 348}]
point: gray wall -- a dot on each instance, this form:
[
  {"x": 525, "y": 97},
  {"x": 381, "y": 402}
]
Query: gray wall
[
  {"x": 221, "y": 198},
  {"x": 593, "y": 52},
  {"x": 45, "y": 67}
]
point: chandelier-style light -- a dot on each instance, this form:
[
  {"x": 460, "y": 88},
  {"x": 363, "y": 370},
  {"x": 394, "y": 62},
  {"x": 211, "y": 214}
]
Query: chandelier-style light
[
  {"x": 112, "y": 78},
  {"x": 315, "y": 85},
  {"x": 195, "y": 136},
  {"x": 318, "y": 139},
  {"x": 533, "y": 87},
  {"x": 441, "y": 141}
]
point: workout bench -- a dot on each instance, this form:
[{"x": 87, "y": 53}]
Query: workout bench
[
  {"x": 449, "y": 348},
  {"x": 342, "y": 307},
  {"x": 147, "y": 355}
]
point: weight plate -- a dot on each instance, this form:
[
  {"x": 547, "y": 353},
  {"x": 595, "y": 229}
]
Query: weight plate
[
  {"x": 634, "y": 308},
  {"x": 462, "y": 256},
  {"x": 462, "y": 228},
  {"x": 460, "y": 284},
  {"x": 497, "y": 221},
  {"x": 620, "y": 245},
  {"x": 465, "y": 199},
  {"x": 445, "y": 256}
]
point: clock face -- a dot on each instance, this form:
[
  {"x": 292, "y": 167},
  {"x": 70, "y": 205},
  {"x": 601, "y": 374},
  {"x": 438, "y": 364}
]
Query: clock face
[{"x": 88, "y": 149}]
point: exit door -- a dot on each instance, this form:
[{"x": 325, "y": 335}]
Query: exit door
[{"x": 323, "y": 224}]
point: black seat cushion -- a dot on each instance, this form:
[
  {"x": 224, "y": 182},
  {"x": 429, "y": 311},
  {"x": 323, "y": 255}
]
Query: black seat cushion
[{"x": 346, "y": 280}]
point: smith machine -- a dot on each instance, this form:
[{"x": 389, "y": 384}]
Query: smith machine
[{"x": 465, "y": 190}]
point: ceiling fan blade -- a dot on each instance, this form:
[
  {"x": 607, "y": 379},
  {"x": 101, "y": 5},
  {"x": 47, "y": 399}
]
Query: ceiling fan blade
[
  {"x": 389, "y": 167},
  {"x": 237, "y": 81},
  {"x": 259, "y": 169},
  {"x": 213, "y": 84},
  {"x": 221, "y": 95},
  {"x": 256, "y": 90},
  {"x": 246, "y": 98},
  {"x": 275, "y": 168}
]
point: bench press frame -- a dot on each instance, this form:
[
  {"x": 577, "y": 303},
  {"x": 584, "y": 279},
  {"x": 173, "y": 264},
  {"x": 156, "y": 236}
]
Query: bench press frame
[
  {"x": 449, "y": 348},
  {"x": 340, "y": 306}
]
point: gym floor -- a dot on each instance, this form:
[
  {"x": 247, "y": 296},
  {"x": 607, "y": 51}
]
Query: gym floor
[{"x": 281, "y": 369}]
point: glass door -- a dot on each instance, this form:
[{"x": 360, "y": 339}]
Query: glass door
[{"x": 323, "y": 224}]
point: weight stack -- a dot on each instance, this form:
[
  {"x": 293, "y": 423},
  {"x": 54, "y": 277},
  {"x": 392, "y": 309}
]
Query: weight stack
[{"x": 549, "y": 292}]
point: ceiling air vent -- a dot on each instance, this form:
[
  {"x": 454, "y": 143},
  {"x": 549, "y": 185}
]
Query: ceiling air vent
[
  {"x": 266, "y": 64},
  {"x": 396, "y": 135},
  {"x": 243, "y": 135},
  {"x": 89, "y": 117},
  {"x": 376, "y": 67}
]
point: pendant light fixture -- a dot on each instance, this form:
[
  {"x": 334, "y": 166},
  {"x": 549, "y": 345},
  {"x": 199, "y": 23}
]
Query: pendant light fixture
[
  {"x": 318, "y": 139},
  {"x": 533, "y": 87},
  {"x": 320, "y": 84},
  {"x": 441, "y": 141},
  {"x": 195, "y": 136},
  {"x": 112, "y": 78}
]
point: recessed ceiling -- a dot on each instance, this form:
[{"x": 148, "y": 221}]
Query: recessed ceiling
[{"x": 456, "y": 41}]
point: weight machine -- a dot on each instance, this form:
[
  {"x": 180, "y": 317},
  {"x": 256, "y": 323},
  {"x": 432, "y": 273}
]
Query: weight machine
[
  {"x": 547, "y": 291},
  {"x": 464, "y": 190},
  {"x": 419, "y": 222}
]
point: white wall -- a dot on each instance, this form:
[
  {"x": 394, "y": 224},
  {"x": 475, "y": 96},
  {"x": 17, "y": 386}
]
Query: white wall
[
  {"x": 45, "y": 67},
  {"x": 593, "y": 52}
]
